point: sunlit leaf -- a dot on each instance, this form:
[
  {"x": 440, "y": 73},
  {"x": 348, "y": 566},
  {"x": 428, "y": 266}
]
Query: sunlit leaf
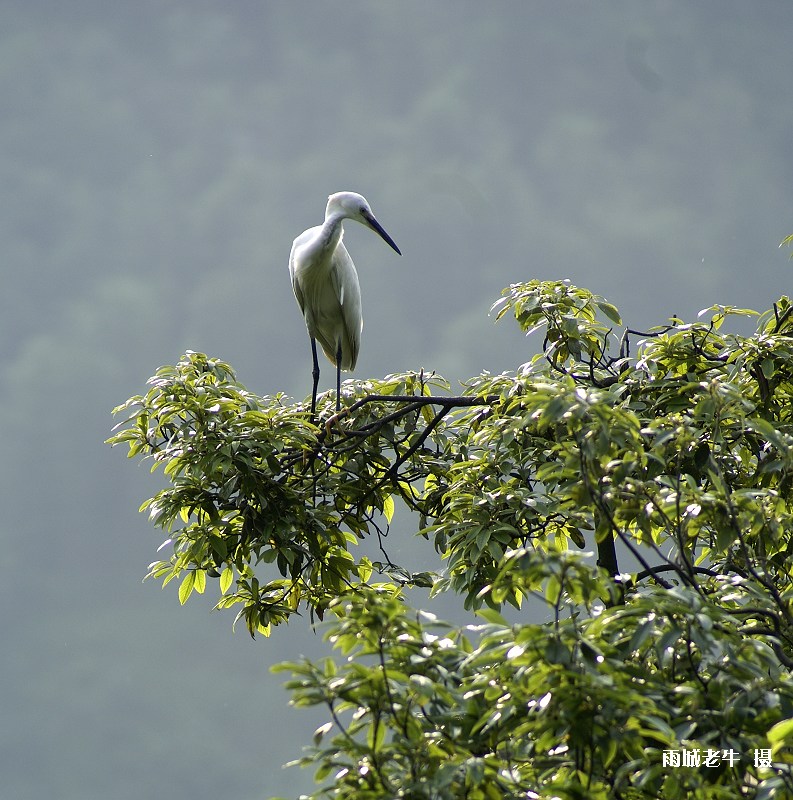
[
  {"x": 388, "y": 507},
  {"x": 226, "y": 577},
  {"x": 186, "y": 587}
]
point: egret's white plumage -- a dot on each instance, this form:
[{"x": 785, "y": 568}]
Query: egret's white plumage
[{"x": 326, "y": 284}]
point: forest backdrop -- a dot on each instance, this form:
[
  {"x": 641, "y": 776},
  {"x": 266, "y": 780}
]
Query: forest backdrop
[{"x": 157, "y": 159}]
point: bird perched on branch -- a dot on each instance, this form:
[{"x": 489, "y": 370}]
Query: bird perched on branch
[{"x": 326, "y": 285}]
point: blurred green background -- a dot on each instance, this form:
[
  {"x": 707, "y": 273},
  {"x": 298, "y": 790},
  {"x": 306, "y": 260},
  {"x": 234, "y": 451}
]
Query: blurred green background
[{"x": 156, "y": 161}]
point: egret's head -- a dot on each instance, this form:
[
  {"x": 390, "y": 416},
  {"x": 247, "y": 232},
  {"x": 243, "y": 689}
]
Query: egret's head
[{"x": 351, "y": 205}]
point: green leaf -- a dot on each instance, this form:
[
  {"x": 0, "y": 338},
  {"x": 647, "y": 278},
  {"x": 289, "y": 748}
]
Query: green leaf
[
  {"x": 388, "y": 507},
  {"x": 365, "y": 569},
  {"x": 226, "y": 577},
  {"x": 186, "y": 587},
  {"x": 610, "y": 311},
  {"x": 492, "y": 616},
  {"x": 376, "y": 736},
  {"x": 781, "y": 733},
  {"x": 767, "y": 367}
]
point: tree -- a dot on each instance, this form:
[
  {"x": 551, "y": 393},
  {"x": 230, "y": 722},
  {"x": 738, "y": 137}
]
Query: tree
[{"x": 671, "y": 681}]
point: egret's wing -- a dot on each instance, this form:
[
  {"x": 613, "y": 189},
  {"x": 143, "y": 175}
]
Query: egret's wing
[
  {"x": 293, "y": 273},
  {"x": 348, "y": 293}
]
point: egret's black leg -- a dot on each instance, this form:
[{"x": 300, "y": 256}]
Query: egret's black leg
[
  {"x": 315, "y": 376},
  {"x": 338, "y": 378}
]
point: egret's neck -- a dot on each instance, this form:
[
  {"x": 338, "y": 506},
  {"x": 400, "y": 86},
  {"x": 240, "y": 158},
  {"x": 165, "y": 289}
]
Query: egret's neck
[{"x": 332, "y": 230}]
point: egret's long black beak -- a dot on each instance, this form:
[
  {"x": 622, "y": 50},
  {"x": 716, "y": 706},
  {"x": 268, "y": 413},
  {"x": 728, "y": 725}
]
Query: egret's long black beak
[{"x": 378, "y": 228}]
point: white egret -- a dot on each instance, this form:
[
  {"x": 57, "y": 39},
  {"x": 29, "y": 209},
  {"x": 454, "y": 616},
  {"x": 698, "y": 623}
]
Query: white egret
[{"x": 326, "y": 285}]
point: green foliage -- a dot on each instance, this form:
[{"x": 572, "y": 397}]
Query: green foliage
[
  {"x": 682, "y": 454},
  {"x": 584, "y": 707},
  {"x": 263, "y": 499}
]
